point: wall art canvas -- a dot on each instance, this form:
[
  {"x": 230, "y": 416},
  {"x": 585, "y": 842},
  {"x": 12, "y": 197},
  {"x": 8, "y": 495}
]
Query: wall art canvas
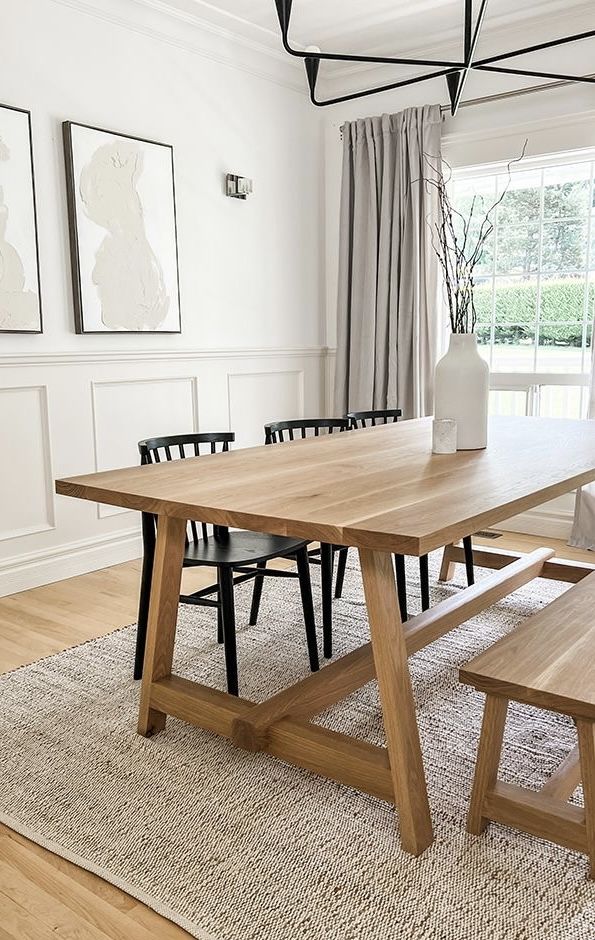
[
  {"x": 20, "y": 294},
  {"x": 123, "y": 240}
]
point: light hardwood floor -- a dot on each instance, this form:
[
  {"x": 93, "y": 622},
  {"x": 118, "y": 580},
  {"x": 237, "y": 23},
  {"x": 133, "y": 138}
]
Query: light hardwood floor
[{"x": 41, "y": 895}]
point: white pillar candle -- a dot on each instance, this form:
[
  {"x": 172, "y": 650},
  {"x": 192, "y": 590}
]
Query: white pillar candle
[{"x": 444, "y": 436}]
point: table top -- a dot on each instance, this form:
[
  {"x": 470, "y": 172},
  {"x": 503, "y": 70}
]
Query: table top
[{"x": 376, "y": 488}]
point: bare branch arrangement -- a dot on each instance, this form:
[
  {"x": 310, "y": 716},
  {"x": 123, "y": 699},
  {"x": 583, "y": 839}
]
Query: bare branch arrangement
[{"x": 459, "y": 242}]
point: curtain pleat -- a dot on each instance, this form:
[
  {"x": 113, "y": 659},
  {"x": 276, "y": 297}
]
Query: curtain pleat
[{"x": 388, "y": 274}]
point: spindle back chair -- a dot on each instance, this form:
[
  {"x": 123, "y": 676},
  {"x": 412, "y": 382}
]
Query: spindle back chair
[{"x": 237, "y": 556}]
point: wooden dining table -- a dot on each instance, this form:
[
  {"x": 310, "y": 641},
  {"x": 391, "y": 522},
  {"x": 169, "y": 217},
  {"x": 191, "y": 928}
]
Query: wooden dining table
[{"x": 382, "y": 491}]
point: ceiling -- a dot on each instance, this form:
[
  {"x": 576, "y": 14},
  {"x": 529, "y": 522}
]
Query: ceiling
[
  {"x": 380, "y": 25},
  {"x": 413, "y": 28}
]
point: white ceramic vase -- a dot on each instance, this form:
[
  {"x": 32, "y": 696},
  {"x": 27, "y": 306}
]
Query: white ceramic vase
[{"x": 461, "y": 391}]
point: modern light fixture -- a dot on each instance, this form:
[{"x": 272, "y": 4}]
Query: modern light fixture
[
  {"x": 238, "y": 187},
  {"x": 456, "y": 73}
]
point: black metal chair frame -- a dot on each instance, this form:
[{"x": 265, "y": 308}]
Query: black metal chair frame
[
  {"x": 275, "y": 433},
  {"x": 370, "y": 419},
  {"x": 229, "y": 572}
]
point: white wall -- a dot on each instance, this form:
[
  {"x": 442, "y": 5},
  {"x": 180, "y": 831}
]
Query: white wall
[{"x": 250, "y": 286}]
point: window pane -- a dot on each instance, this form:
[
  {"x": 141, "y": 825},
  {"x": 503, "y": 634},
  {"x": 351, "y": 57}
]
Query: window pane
[
  {"x": 484, "y": 343},
  {"x": 522, "y": 199},
  {"x": 516, "y": 352},
  {"x": 516, "y": 300},
  {"x": 535, "y": 283},
  {"x": 591, "y": 299},
  {"x": 560, "y": 347},
  {"x": 517, "y": 249},
  {"x": 560, "y": 401},
  {"x": 477, "y": 192},
  {"x": 564, "y": 246},
  {"x": 566, "y": 191},
  {"x": 508, "y": 402},
  {"x": 482, "y": 296}
]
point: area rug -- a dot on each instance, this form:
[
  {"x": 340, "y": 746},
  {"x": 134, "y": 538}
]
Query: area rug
[{"x": 238, "y": 846}]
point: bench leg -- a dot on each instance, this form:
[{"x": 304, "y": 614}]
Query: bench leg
[
  {"x": 447, "y": 566},
  {"x": 586, "y": 744},
  {"x": 488, "y": 760}
]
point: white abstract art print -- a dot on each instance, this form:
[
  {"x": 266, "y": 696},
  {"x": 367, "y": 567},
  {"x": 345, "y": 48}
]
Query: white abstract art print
[
  {"x": 122, "y": 215},
  {"x": 20, "y": 294}
]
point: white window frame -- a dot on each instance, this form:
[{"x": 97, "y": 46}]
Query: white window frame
[{"x": 532, "y": 382}]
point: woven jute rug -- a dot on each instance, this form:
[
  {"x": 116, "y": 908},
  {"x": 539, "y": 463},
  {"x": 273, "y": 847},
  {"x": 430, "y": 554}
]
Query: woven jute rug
[{"x": 235, "y": 846}]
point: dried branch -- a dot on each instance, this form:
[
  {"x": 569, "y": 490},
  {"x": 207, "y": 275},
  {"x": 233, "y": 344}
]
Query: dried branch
[{"x": 459, "y": 253}]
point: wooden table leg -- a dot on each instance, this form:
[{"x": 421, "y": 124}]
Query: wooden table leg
[
  {"x": 396, "y": 697},
  {"x": 163, "y": 615}
]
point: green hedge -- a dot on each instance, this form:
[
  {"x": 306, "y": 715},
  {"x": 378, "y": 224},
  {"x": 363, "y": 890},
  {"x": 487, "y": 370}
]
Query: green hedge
[{"x": 561, "y": 319}]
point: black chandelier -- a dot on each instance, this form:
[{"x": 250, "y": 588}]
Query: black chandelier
[{"x": 456, "y": 73}]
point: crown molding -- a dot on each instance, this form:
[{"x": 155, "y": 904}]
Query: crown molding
[{"x": 158, "y": 20}]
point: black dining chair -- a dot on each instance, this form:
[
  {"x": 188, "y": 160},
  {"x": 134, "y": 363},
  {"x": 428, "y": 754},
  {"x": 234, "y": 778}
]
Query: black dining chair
[
  {"x": 237, "y": 557},
  {"x": 373, "y": 418},
  {"x": 278, "y": 432},
  {"x": 370, "y": 419}
]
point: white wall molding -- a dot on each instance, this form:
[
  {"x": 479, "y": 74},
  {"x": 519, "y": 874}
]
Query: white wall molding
[
  {"x": 21, "y": 572},
  {"x": 102, "y": 404},
  {"x": 525, "y": 127},
  {"x": 48, "y": 520},
  {"x": 88, "y": 357},
  {"x": 100, "y": 441}
]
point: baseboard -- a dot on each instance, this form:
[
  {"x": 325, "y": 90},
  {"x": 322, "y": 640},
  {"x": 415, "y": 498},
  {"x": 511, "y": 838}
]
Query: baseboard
[{"x": 45, "y": 566}]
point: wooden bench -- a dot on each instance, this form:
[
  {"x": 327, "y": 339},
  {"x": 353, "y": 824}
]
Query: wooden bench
[{"x": 548, "y": 662}]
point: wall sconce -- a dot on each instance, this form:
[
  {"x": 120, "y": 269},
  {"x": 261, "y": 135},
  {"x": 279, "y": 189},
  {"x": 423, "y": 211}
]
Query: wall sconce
[{"x": 238, "y": 187}]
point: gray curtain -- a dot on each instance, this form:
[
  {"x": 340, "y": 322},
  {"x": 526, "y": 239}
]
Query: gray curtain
[
  {"x": 583, "y": 530},
  {"x": 388, "y": 299}
]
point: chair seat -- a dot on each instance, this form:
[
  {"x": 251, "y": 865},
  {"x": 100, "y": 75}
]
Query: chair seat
[{"x": 240, "y": 548}]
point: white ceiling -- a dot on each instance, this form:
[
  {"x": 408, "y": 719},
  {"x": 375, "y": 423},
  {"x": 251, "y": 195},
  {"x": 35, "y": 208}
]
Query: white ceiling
[
  {"x": 412, "y": 28},
  {"x": 380, "y": 25}
]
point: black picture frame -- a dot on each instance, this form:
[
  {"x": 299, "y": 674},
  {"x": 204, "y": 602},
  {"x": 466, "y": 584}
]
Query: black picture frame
[
  {"x": 10, "y": 107},
  {"x": 79, "y": 320}
]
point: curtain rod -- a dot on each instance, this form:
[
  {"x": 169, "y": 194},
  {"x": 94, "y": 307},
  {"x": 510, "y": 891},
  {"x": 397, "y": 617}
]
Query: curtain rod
[{"x": 502, "y": 96}]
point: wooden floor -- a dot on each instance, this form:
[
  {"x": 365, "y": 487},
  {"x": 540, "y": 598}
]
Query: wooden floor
[{"x": 41, "y": 895}]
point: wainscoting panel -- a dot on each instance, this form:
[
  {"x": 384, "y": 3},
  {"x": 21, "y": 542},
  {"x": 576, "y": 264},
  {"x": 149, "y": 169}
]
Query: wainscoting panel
[
  {"x": 256, "y": 398},
  {"x": 127, "y": 410},
  {"x": 68, "y": 413},
  {"x": 26, "y": 485}
]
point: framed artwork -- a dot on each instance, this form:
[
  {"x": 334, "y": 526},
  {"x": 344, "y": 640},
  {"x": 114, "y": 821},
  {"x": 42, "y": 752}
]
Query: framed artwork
[
  {"x": 20, "y": 288},
  {"x": 123, "y": 238}
]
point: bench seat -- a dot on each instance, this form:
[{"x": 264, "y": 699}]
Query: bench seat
[{"x": 549, "y": 662}]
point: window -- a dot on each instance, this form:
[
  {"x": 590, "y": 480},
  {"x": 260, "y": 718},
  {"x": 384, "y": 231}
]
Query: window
[{"x": 535, "y": 293}]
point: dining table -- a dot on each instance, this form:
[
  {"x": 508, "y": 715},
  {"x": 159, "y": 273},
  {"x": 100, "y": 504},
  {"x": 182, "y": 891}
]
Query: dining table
[{"x": 381, "y": 491}]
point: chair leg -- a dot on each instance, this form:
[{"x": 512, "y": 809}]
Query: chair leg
[
  {"x": 401, "y": 586},
  {"x": 219, "y": 622},
  {"x": 303, "y": 566},
  {"x": 341, "y": 571},
  {"x": 257, "y": 594},
  {"x": 145, "y": 593},
  {"x": 424, "y": 580},
  {"x": 468, "y": 547},
  {"x": 326, "y": 577},
  {"x": 225, "y": 576}
]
